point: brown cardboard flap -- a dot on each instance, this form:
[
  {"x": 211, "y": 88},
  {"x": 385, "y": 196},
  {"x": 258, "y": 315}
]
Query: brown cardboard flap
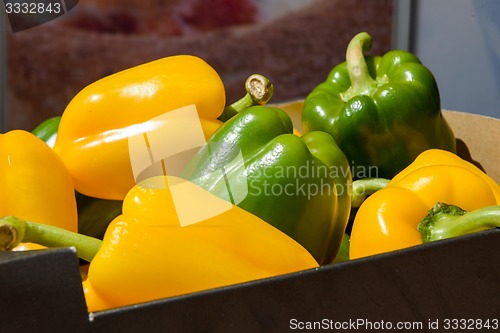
[{"x": 478, "y": 137}]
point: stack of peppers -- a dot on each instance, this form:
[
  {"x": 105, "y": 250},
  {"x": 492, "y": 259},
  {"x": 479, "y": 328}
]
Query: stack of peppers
[
  {"x": 256, "y": 198},
  {"x": 172, "y": 237}
]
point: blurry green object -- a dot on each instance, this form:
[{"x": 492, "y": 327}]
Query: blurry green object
[{"x": 343, "y": 254}]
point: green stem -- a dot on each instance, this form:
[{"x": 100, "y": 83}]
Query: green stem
[
  {"x": 361, "y": 81},
  {"x": 14, "y": 230},
  {"x": 259, "y": 92},
  {"x": 361, "y": 188},
  {"x": 459, "y": 225}
]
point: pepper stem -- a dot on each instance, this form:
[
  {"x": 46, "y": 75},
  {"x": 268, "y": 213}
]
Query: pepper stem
[
  {"x": 361, "y": 188},
  {"x": 361, "y": 81},
  {"x": 446, "y": 221},
  {"x": 14, "y": 230},
  {"x": 259, "y": 92}
]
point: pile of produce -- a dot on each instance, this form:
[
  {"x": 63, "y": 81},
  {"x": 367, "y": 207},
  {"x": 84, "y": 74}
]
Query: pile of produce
[{"x": 165, "y": 189}]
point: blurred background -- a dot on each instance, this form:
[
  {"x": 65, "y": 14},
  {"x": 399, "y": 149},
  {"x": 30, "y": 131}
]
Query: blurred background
[
  {"x": 459, "y": 41},
  {"x": 293, "y": 42}
]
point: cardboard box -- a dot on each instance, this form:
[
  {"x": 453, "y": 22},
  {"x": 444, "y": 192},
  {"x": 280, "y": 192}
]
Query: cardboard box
[{"x": 450, "y": 285}]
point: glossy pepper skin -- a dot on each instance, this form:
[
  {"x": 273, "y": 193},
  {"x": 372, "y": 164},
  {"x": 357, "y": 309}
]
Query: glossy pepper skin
[
  {"x": 147, "y": 254},
  {"x": 94, "y": 214},
  {"x": 388, "y": 220},
  {"x": 35, "y": 183},
  {"x": 300, "y": 185},
  {"x": 97, "y": 123},
  {"x": 382, "y": 111}
]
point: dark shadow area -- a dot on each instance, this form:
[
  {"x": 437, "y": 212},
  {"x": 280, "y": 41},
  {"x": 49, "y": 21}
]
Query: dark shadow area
[{"x": 464, "y": 153}]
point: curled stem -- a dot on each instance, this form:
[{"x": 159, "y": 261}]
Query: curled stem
[
  {"x": 259, "y": 92},
  {"x": 361, "y": 81}
]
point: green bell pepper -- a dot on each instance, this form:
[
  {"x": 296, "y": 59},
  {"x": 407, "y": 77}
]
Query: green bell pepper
[
  {"x": 94, "y": 214},
  {"x": 382, "y": 111},
  {"x": 300, "y": 185}
]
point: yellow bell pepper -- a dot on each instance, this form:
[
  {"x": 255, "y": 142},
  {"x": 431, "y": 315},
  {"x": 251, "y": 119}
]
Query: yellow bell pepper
[
  {"x": 388, "y": 220},
  {"x": 35, "y": 183},
  {"x": 173, "y": 238},
  {"x": 95, "y": 128},
  {"x": 147, "y": 252}
]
